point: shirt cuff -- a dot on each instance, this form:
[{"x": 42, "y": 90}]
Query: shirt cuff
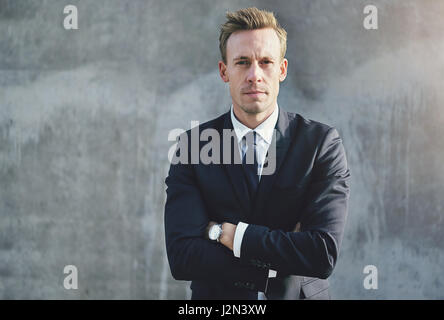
[{"x": 238, "y": 236}]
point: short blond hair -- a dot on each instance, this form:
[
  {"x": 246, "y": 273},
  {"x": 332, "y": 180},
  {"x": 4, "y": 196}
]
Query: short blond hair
[{"x": 250, "y": 19}]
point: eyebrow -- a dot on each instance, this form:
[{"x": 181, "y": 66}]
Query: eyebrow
[
  {"x": 240, "y": 58},
  {"x": 247, "y": 58}
]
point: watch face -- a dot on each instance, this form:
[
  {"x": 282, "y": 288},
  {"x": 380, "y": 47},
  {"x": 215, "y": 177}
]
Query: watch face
[{"x": 214, "y": 232}]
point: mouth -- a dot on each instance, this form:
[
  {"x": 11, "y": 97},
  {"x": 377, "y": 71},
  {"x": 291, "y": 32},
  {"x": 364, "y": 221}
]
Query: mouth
[{"x": 254, "y": 93}]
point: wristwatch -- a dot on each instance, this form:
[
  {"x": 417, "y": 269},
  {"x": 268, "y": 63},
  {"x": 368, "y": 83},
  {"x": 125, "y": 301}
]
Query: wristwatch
[{"x": 215, "y": 232}]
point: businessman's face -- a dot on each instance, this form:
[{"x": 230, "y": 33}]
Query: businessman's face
[{"x": 254, "y": 69}]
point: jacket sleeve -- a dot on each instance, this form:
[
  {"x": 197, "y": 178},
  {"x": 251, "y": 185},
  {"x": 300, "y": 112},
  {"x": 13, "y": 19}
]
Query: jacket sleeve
[
  {"x": 313, "y": 251},
  {"x": 190, "y": 255}
]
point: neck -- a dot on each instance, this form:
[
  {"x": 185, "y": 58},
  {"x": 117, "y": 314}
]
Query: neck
[{"x": 252, "y": 120}]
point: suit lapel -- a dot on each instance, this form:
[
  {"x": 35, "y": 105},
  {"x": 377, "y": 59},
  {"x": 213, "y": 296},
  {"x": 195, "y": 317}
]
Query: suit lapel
[
  {"x": 282, "y": 141},
  {"x": 234, "y": 169}
]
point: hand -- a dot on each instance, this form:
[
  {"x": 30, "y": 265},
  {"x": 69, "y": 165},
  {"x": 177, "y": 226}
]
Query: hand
[
  {"x": 227, "y": 237},
  {"x": 297, "y": 228}
]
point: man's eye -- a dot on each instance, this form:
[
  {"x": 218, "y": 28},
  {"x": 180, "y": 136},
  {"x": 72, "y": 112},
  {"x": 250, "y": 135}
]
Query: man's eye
[
  {"x": 267, "y": 62},
  {"x": 242, "y": 62}
]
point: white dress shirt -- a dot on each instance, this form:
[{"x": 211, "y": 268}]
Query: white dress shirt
[{"x": 264, "y": 134}]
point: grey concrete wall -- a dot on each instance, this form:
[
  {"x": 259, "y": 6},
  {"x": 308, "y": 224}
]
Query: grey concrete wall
[{"x": 85, "y": 116}]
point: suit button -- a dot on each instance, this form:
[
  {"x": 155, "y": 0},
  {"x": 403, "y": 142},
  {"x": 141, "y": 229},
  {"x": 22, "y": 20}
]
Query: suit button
[{"x": 237, "y": 284}]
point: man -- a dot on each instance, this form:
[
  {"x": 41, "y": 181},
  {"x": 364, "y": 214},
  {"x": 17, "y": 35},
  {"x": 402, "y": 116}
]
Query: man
[{"x": 234, "y": 231}]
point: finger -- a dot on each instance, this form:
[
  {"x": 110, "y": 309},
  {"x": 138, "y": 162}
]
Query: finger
[{"x": 298, "y": 227}]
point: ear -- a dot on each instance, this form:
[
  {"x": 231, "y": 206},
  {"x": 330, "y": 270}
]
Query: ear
[
  {"x": 283, "y": 70},
  {"x": 223, "y": 71}
]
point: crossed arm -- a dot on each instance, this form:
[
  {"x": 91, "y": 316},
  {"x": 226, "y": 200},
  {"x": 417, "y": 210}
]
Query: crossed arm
[
  {"x": 229, "y": 230},
  {"x": 311, "y": 252}
]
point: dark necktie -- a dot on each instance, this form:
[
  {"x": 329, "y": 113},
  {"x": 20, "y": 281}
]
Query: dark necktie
[{"x": 250, "y": 163}]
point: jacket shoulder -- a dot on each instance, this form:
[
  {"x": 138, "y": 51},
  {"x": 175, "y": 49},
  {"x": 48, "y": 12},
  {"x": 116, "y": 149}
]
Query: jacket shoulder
[
  {"x": 308, "y": 127},
  {"x": 216, "y": 124},
  {"x": 309, "y": 123}
]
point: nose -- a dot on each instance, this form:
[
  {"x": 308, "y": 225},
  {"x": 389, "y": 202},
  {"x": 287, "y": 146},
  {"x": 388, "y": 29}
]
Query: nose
[{"x": 254, "y": 73}]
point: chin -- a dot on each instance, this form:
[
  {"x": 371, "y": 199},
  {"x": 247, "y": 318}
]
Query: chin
[{"x": 254, "y": 108}]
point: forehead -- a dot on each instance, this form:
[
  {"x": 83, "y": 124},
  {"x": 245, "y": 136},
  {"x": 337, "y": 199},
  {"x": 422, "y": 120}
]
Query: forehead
[{"x": 257, "y": 43}]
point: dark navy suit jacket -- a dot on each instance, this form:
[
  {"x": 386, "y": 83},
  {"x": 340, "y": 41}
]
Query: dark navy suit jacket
[{"x": 310, "y": 186}]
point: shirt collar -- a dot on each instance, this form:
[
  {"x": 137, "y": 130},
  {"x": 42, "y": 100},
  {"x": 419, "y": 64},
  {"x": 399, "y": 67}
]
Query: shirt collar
[{"x": 265, "y": 129}]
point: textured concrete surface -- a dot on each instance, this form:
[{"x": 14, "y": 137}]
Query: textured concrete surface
[{"x": 85, "y": 116}]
